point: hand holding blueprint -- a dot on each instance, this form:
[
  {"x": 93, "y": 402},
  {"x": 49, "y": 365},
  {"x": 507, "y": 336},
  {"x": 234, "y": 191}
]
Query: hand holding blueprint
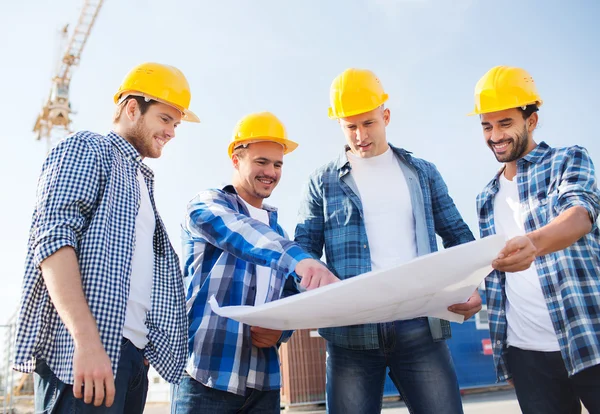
[{"x": 425, "y": 286}]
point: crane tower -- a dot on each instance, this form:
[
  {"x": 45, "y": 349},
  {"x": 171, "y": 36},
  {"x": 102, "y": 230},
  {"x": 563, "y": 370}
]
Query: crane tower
[{"x": 54, "y": 120}]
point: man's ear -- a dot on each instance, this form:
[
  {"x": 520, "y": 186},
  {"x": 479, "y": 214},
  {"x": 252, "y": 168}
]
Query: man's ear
[{"x": 132, "y": 109}]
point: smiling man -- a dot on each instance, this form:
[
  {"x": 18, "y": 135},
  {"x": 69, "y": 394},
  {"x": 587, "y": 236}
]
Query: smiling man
[
  {"x": 102, "y": 294},
  {"x": 375, "y": 207},
  {"x": 235, "y": 250},
  {"x": 545, "y": 318}
]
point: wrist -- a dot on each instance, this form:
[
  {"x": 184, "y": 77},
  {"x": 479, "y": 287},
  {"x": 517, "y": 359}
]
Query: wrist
[
  {"x": 86, "y": 336},
  {"x": 534, "y": 239}
]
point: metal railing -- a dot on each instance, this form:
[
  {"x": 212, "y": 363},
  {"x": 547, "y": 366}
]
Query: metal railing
[{"x": 7, "y": 377}]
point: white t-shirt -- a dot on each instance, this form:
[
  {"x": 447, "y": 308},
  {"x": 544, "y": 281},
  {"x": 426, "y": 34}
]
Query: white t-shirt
[
  {"x": 529, "y": 324},
  {"x": 142, "y": 270},
  {"x": 387, "y": 209},
  {"x": 263, "y": 273}
]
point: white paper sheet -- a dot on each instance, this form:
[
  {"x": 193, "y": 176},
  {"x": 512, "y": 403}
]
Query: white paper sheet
[{"x": 425, "y": 286}]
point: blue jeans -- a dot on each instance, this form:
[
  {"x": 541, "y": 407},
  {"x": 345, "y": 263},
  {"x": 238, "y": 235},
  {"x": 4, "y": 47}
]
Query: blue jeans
[
  {"x": 543, "y": 385},
  {"x": 131, "y": 386},
  {"x": 421, "y": 369},
  {"x": 191, "y": 396}
]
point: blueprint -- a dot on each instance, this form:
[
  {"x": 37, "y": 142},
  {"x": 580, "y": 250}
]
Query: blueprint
[{"x": 425, "y": 286}]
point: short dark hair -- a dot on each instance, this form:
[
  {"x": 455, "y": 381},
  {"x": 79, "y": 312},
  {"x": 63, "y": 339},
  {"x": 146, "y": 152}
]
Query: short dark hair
[
  {"x": 529, "y": 109},
  {"x": 240, "y": 151},
  {"x": 143, "y": 104}
]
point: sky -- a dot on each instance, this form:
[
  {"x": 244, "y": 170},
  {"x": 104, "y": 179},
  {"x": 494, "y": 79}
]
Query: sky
[{"x": 267, "y": 55}]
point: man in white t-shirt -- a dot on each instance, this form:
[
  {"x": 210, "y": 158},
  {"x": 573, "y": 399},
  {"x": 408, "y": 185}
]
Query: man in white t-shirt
[
  {"x": 374, "y": 207},
  {"x": 235, "y": 250},
  {"x": 544, "y": 296},
  {"x": 102, "y": 295}
]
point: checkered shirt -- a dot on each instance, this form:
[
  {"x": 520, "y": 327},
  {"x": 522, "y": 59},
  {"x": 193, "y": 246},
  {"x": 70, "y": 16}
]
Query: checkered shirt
[
  {"x": 222, "y": 245},
  {"x": 550, "y": 181},
  {"x": 88, "y": 197}
]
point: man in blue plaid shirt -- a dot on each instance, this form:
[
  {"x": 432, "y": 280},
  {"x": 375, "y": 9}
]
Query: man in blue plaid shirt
[
  {"x": 375, "y": 207},
  {"x": 543, "y": 297},
  {"x": 102, "y": 293},
  {"x": 235, "y": 250}
]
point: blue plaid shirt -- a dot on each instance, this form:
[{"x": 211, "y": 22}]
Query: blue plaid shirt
[
  {"x": 222, "y": 245},
  {"x": 550, "y": 181},
  {"x": 88, "y": 198},
  {"x": 331, "y": 218}
]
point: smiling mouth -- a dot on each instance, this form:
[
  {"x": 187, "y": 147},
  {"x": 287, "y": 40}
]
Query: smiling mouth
[
  {"x": 161, "y": 141},
  {"x": 266, "y": 181},
  {"x": 501, "y": 146}
]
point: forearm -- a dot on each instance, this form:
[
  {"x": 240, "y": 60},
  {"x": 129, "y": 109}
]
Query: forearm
[
  {"x": 244, "y": 237},
  {"x": 562, "y": 232},
  {"x": 63, "y": 281}
]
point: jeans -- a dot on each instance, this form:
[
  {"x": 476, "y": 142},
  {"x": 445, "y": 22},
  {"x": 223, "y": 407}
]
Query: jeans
[
  {"x": 131, "y": 387},
  {"x": 421, "y": 369},
  {"x": 543, "y": 385},
  {"x": 191, "y": 396}
]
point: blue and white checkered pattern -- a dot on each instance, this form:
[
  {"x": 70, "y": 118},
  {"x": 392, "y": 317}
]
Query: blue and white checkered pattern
[
  {"x": 550, "y": 181},
  {"x": 331, "y": 218},
  {"x": 222, "y": 245},
  {"x": 88, "y": 198}
]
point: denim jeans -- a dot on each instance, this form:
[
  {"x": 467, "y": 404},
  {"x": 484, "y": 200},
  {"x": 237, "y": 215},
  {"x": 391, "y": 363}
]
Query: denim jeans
[
  {"x": 131, "y": 386},
  {"x": 191, "y": 396},
  {"x": 421, "y": 369},
  {"x": 543, "y": 385}
]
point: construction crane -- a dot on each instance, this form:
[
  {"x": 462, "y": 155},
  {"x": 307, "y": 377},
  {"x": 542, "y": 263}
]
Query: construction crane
[{"x": 54, "y": 120}]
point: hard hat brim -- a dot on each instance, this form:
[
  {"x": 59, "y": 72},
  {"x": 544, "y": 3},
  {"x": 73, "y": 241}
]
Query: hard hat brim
[
  {"x": 479, "y": 112},
  {"x": 288, "y": 145},
  {"x": 186, "y": 114},
  {"x": 189, "y": 116},
  {"x": 333, "y": 115}
]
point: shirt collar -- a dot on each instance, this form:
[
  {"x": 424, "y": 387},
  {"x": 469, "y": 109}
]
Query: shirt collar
[
  {"x": 538, "y": 153},
  {"x": 229, "y": 188},
  {"x": 129, "y": 152},
  {"x": 343, "y": 165}
]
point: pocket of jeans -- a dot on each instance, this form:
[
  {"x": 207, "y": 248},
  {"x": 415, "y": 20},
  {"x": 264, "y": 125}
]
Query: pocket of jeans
[
  {"x": 42, "y": 369},
  {"x": 140, "y": 376},
  {"x": 124, "y": 343},
  {"x": 46, "y": 388}
]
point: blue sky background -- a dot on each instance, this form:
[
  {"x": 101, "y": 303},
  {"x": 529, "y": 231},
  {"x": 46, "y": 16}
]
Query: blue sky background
[{"x": 242, "y": 56}]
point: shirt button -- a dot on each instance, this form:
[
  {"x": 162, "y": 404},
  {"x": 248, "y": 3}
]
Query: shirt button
[
  {"x": 498, "y": 342},
  {"x": 364, "y": 246}
]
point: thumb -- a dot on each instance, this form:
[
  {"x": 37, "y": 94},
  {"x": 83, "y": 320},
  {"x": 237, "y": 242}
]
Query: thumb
[{"x": 511, "y": 246}]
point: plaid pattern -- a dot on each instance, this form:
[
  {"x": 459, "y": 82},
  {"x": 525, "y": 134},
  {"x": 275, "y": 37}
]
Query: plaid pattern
[
  {"x": 331, "y": 218},
  {"x": 88, "y": 198},
  {"x": 550, "y": 181},
  {"x": 222, "y": 245}
]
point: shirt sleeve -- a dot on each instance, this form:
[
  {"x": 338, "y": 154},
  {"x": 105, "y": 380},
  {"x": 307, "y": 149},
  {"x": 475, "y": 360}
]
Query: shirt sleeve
[
  {"x": 67, "y": 194},
  {"x": 577, "y": 186},
  {"x": 211, "y": 218},
  {"x": 310, "y": 230},
  {"x": 449, "y": 224}
]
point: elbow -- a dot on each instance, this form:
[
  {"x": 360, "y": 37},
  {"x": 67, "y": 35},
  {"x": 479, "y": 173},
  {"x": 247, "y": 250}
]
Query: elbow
[{"x": 585, "y": 220}]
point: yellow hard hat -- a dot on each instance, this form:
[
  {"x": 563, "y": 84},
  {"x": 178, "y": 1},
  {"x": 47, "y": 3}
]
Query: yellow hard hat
[
  {"x": 260, "y": 126},
  {"x": 505, "y": 87},
  {"x": 162, "y": 83},
  {"x": 354, "y": 92}
]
